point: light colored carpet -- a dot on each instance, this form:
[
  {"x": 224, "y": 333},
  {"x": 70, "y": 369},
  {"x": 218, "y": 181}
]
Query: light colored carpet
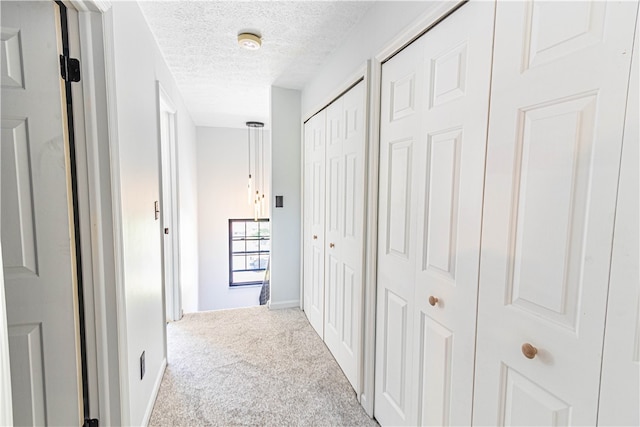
[{"x": 252, "y": 366}]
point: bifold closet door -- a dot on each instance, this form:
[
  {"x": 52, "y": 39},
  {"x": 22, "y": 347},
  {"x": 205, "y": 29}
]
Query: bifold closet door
[
  {"x": 559, "y": 88},
  {"x": 620, "y": 386},
  {"x": 434, "y": 113},
  {"x": 344, "y": 222},
  {"x": 314, "y": 153}
]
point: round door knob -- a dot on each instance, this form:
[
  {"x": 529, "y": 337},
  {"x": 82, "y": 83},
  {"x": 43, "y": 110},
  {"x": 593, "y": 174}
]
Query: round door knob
[
  {"x": 433, "y": 300},
  {"x": 315, "y": 237},
  {"x": 529, "y": 351},
  {"x": 331, "y": 245}
]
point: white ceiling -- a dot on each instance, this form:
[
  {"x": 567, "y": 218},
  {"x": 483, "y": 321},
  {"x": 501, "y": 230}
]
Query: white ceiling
[{"x": 224, "y": 85}]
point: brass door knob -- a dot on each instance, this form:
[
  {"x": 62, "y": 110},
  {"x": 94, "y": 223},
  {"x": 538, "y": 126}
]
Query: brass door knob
[
  {"x": 331, "y": 245},
  {"x": 529, "y": 351},
  {"x": 315, "y": 237},
  {"x": 433, "y": 300}
]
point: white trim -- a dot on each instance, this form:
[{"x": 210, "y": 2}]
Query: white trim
[
  {"x": 418, "y": 28},
  {"x": 154, "y": 393},
  {"x": 348, "y": 83},
  {"x": 116, "y": 212},
  {"x": 294, "y": 303},
  {"x": 96, "y": 222},
  {"x": 99, "y": 6},
  {"x": 370, "y": 239},
  {"x": 6, "y": 406},
  {"x": 166, "y": 105},
  {"x": 415, "y": 30}
]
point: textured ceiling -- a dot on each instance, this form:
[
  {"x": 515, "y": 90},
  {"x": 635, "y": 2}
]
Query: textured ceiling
[{"x": 224, "y": 85}]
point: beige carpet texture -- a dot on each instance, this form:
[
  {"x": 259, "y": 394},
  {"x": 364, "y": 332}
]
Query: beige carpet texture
[{"x": 252, "y": 366}]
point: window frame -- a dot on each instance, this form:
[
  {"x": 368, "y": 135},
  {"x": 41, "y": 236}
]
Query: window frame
[{"x": 246, "y": 253}]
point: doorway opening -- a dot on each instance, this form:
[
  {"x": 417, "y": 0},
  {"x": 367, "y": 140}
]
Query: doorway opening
[{"x": 169, "y": 206}]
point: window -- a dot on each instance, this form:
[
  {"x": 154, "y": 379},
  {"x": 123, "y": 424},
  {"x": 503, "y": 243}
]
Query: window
[{"x": 249, "y": 246}]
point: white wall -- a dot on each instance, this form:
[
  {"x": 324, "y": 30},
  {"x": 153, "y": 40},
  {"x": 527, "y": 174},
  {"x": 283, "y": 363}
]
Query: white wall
[
  {"x": 138, "y": 65},
  {"x": 222, "y": 193},
  {"x": 286, "y": 142},
  {"x": 382, "y": 23}
]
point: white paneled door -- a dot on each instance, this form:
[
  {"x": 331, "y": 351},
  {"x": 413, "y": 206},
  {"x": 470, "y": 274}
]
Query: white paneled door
[
  {"x": 434, "y": 112},
  {"x": 559, "y": 87},
  {"x": 37, "y": 221},
  {"x": 620, "y": 386},
  {"x": 344, "y": 214},
  {"x": 314, "y": 153}
]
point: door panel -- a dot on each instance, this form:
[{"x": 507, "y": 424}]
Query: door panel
[
  {"x": 451, "y": 152},
  {"x": 555, "y": 132},
  {"x": 344, "y": 246},
  {"x": 620, "y": 387},
  {"x": 435, "y": 99},
  {"x": 400, "y": 89},
  {"x": 37, "y": 220},
  {"x": 314, "y": 204}
]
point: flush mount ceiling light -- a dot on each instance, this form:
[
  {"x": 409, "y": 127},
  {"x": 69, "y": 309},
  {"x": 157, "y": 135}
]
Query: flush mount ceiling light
[{"x": 249, "y": 41}]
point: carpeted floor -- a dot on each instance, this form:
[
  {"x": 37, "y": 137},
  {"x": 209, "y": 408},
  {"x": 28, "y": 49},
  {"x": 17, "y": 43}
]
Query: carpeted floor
[{"x": 252, "y": 366}]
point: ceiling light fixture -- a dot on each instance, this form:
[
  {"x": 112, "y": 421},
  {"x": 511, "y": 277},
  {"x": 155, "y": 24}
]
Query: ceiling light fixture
[{"x": 249, "y": 41}]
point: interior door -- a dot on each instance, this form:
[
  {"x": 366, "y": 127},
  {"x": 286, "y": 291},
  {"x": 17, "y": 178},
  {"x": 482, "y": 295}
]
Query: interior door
[
  {"x": 435, "y": 99},
  {"x": 167, "y": 142},
  {"x": 449, "y": 163},
  {"x": 37, "y": 220},
  {"x": 620, "y": 387},
  {"x": 344, "y": 231},
  {"x": 402, "y": 80},
  {"x": 334, "y": 221},
  {"x": 559, "y": 87},
  {"x": 314, "y": 137}
]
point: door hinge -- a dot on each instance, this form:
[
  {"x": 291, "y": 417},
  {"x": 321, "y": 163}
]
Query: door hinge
[
  {"x": 93, "y": 422},
  {"x": 69, "y": 69}
]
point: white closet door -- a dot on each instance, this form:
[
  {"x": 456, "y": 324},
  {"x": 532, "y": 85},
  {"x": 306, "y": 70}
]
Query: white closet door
[
  {"x": 620, "y": 388},
  {"x": 344, "y": 228},
  {"x": 314, "y": 137},
  {"x": 402, "y": 82},
  {"x": 450, "y": 156},
  {"x": 435, "y": 97},
  {"x": 37, "y": 220},
  {"x": 559, "y": 86}
]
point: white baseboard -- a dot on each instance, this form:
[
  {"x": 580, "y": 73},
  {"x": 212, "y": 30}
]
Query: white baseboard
[
  {"x": 154, "y": 394},
  {"x": 284, "y": 304}
]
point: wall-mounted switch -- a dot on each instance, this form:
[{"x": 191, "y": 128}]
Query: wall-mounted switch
[{"x": 279, "y": 201}]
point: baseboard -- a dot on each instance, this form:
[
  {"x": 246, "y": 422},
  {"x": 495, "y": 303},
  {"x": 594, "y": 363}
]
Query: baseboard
[
  {"x": 284, "y": 304},
  {"x": 154, "y": 394}
]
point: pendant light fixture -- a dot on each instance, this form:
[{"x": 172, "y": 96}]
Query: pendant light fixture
[{"x": 256, "y": 184}]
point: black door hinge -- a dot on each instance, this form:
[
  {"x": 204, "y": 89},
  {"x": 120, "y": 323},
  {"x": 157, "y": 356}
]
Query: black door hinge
[
  {"x": 69, "y": 69},
  {"x": 91, "y": 422}
]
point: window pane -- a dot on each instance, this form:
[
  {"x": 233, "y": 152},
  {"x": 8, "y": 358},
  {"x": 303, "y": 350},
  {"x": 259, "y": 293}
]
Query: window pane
[
  {"x": 239, "y": 262},
  {"x": 238, "y": 246},
  {"x": 253, "y": 245},
  {"x": 237, "y": 229},
  {"x": 265, "y": 245},
  {"x": 264, "y": 261},
  {"x": 253, "y": 262},
  {"x": 264, "y": 229},
  {"x": 252, "y": 229},
  {"x": 248, "y": 276}
]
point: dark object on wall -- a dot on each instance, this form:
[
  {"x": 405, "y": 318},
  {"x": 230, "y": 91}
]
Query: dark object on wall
[{"x": 279, "y": 201}]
